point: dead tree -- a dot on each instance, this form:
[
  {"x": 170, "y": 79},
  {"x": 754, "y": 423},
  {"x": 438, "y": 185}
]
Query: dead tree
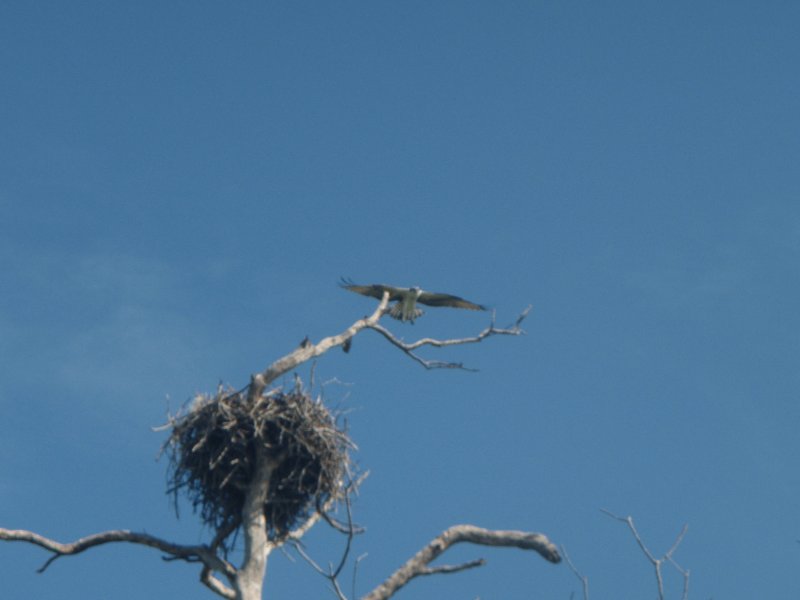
[{"x": 269, "y": 464}]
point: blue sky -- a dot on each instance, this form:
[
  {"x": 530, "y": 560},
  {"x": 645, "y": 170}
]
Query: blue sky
[{"x": 184, "y": 183}]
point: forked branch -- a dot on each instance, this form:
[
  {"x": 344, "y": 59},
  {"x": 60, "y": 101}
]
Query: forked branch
[
  {"x": 419, "y": 563},
  {"x": 202, "y": 554},
  {"x": 409, "y": 348},
  {"x": 583, "y": 578},
  {"x": 308, "y": 350},
  {"x": 658, "y": 562}
]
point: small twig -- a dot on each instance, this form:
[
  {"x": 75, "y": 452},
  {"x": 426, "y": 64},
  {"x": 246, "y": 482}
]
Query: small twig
[
  {"x": 350, "y": 535},
  {"x": 355, "y": 572},
  {"x": 298, "y": 546},
  {"x": 338, "y": 589},
  {"x": 680, "y": 569},
  {"x": 332, "y": 574},
  {"x": 583, "y": 579},
  {"x": 322, "y": 513},
  {"x": 311, "y": 372},
  {"x": 349, "y": 527},
  {"x": 342, "y": 527},
  {"x": 685, "y": 573},
  {"x": 657, "y": 562}
]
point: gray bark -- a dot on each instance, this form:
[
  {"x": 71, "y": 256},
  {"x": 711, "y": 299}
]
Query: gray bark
[{"x": 250, "y": 577}]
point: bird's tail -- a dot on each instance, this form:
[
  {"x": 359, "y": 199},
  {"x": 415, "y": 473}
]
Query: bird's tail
[{"x": 396, "y": 312}]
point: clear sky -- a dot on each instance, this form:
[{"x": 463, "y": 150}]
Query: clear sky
[{"x": 184, "y": 183}]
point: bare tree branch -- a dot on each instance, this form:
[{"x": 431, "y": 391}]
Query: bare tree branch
[
  {"x": 355, "y": 573},
  {"x": 322, "y": 513},
  {"x": 418, "y": 564},
  {"x": 350, "y": 530},
  {"x": 243, "y": 581},
  {"x": 203, "y": 554},
  {"x": 409, "y": 348},
  {"x": 215, "y": 585},
  {"x": 350, "y": 535},
  {"x": 306, "y": 351},
  {"x": 329, "y": 575},
  {"x": 657, "y": 562},
  {"x": 584, "y": 580},
  {"x": 680, "y": 569}
]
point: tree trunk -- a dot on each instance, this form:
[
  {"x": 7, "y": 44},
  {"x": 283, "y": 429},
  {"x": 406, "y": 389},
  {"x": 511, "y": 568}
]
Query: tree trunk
[{"x": 250, "y": 578}]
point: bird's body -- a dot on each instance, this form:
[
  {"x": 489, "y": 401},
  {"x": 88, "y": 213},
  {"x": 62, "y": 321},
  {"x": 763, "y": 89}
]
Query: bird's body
[
  {"x": 406, "y": 299},
  {"x": 406, "y": 307}
]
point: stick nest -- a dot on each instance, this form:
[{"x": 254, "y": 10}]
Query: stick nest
[{"x": 213, "y": 448}]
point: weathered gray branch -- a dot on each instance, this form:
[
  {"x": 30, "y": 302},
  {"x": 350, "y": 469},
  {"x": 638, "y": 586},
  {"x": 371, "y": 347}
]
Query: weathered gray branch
[
  {"x": 203, "y": 554},
  {"x": 658, "y": 562},
  {"x": 349, "y": 529},
  {"x": 418, "y": 564},
  {"x": 307, "y": 351},
  {"x": 215, "y": 585},
  {"x": 409, "y": 348},
  {"x": 246, "y": 582},
  {"x": 583, "y": 578}
]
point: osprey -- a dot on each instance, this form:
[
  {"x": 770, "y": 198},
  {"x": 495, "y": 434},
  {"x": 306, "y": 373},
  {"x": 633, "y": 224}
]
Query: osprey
[{"x": 405, "y": 308}]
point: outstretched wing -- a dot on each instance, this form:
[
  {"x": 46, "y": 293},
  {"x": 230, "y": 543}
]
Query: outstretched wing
[
  {"x": 436, "y": 299},
  {"x": 375, "y": 290}
]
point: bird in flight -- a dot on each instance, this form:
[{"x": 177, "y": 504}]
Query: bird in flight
[{"x": 406, "y": 299}]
